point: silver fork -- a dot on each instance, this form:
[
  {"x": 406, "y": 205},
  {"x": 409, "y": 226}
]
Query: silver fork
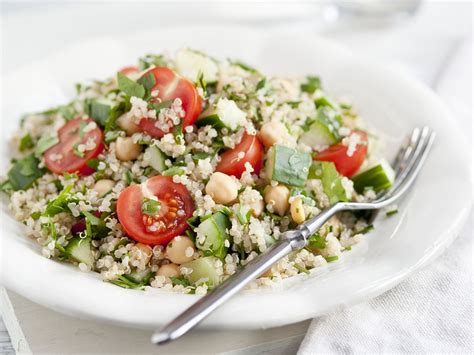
[{"x": 408, "y": 163}]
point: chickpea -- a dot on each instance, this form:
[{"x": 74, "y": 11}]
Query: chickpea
[
  {"x": 297, "y": 210},
  {"x": 222, "y": 188},
  {"x": 103, "y": 186},
  {"x": 272, "y": 133},
  {"x": 257, "y": 208},
  {"x": 145, "y": 250},
  {"x": 126, "y": 149},
  {"x": 277, "y": 196},
  {"x": 180, "y": 250},
  {"x": 127, "y": 124},
  {"x": 168, "y": 270}
]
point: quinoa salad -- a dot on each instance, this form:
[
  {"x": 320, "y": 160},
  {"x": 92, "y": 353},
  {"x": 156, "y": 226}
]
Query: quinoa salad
[{"x": 175, "y": 173}]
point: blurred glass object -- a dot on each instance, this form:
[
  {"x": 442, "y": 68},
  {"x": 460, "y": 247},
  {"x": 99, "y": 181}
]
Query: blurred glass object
[{"x": 377, "y": 9}]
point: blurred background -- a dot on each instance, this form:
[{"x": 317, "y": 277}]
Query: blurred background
[{"x": 430, "y": 40}]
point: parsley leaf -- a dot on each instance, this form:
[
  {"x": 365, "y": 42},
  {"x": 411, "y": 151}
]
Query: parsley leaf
[
  {"x": 24, "y": 173},
  {"x": 46, "y": 142},
  {"x": 26, "y": 143},
  {"x": 312, "y": 84},
  {"x": 59, "y": 204},
  {"x": 180, "y": 281},
  {"x": 148, "y": 81},
  {"x": 130, "y": 87},
  {"x": 99, "y": 110}
]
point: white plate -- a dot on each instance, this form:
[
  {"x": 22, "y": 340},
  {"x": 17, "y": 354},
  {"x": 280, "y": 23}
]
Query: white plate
[{"x": 428, "y": 221}]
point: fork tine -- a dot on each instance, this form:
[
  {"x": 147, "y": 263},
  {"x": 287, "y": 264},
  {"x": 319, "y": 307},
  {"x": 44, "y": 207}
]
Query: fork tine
[
  {"x": 406, "y": 151},
  {"x": 415, "y": 164},
  {"x": 404, "y": 154},
  {"x": 412, "y": 157}
]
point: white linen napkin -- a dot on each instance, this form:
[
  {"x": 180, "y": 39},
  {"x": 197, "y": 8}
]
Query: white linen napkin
[{"x": 431, "y": 312}]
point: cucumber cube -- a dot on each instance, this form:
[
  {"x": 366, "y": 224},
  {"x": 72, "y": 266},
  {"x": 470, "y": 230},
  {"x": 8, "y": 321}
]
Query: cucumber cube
[
  {"x": 214, "y": 229},
  {"x": 323, "y": 131},
  {"x": 380, "y": 177},
  {"x": 203, "y": 270}
]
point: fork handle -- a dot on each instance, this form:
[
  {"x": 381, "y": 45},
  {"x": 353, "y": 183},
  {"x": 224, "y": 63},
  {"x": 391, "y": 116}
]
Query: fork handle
[
  {"x": 289, "y": 241},
  {"x": 207, "y": 304}
]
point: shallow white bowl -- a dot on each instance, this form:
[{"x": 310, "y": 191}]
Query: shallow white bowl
[{"x": 428, "y": 221}]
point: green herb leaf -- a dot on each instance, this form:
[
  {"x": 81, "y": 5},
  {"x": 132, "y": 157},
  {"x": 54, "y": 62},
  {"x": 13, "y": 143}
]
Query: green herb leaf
[
  {"x": 316, "y": 241},
  {"x": 160, "y": 105},
  {"x": 245, "y": 67},
  {"x": 312, "y": 84},
  {"x": 93, "y": 220},
  {"x": 130, "y": 87},
  {"x": 125, "y": 282},
  {"x": 46, "y": 142},
  {"x": 180, "y": 281},
  {"x": 111, "y": 136},
  {"x": 26, "y": 143},
  {"x": 391, "y": 212},
  {"x": 261, "y": 84},
  {"x": 366, "y": 230},
  {"x": 99, "y": 110},
  {"x": 93, "y": 163},
  {"x": 59, "y": 204},
  {"x": 151, "y": 60},
  {"x": 148, "y": 81},
  {"x": 24, "y": 173},
  {"x": 330, "y": 259},
  {"x": 174, "y": 170},
  {"x": 150, "y": 207}
]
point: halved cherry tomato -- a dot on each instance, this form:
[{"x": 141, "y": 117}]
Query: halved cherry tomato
[
  {"x": 176, "y": 206},
  {"x": 250, "y": 149},
  {"x": 129, "y": 70},
  {"x": 64, "y": 156},
  {"x": 337, "y": 153},
  {"x": 171, "y": 86}
]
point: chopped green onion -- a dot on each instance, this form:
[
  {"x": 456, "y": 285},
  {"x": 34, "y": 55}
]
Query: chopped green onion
[
  {"x": 330, "y": 259},
  {"x": 366, "y": 230},
  {"x": 391, "y": 212}
]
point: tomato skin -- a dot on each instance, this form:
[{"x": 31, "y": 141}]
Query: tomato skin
[
  {"x": 129, "y": 70},
  {"x": 171, "y": 86},
  {"x": 69, "y": 135},
  {"x": 337, "y": 153},
  {"x": 131, "y": 218},
  {"x": 252, "y": 148}
]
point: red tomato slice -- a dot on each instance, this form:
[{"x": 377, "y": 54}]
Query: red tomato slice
[
  {"x": 63, "y": 157},
  {"x": 233, "y": 164},
  {"x": 337, "y": 153},
  {"x": 176, "y": 207},
  {"x": 129, "y": 70},
  {"x": 171, "y": 86}
]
